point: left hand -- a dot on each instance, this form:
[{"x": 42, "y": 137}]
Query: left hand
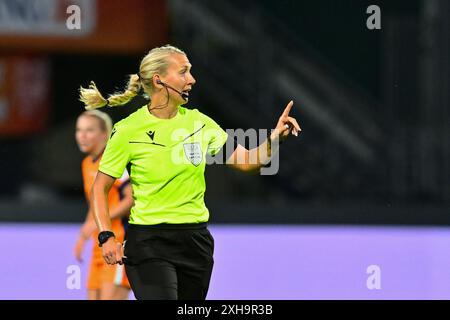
[
  {"x": 286, "y": 125},
  {"x": 88, "y": 229},
  {"x": 78, "y": 250}
]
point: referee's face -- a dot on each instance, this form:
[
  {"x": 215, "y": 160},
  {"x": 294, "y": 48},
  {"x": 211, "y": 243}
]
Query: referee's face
[{"x": 179, "y": 76}]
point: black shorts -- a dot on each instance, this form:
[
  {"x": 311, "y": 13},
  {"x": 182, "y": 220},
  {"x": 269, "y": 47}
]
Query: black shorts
[{"x": 169, "y": 261}]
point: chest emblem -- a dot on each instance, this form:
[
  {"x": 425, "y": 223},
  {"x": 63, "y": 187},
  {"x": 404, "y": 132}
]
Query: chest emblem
[{"x": 193, "y": 152}]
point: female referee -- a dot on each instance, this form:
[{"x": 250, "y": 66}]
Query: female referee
[{"x": 168, "y": 252}]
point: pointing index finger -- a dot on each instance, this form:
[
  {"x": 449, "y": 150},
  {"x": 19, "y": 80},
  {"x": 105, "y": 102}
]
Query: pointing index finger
[{"x": 287, "y": 109}]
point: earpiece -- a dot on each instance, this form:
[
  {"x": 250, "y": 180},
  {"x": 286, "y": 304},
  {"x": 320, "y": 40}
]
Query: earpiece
[{"x": 158, "y": 81}]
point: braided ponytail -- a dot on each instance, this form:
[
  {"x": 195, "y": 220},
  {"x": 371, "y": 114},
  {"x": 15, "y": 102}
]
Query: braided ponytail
[{"x": 93, "y": 99}]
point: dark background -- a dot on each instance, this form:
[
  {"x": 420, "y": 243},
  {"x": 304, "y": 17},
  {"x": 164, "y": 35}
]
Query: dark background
[{"x": 373, "y": 106}]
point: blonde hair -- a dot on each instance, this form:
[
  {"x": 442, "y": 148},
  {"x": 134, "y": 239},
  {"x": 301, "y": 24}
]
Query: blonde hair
[
  {"x": 156, "y": 61},
  {"x": 105, "y": 120}
]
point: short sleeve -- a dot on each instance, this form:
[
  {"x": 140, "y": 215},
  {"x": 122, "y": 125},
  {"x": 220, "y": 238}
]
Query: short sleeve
[
  {"x": 116, "y": 155},
  {"x": 216, "y": 136}
]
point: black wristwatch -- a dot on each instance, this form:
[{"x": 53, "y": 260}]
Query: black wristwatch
[{"x": 104, "y": 236}]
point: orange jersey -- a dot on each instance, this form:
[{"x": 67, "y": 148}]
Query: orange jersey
[
  {"x": 89, "y": 168},
  {"x": 99, "y": 271}
]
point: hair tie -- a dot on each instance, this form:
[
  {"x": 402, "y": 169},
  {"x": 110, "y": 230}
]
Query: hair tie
[{"x": 107, "y": 103}]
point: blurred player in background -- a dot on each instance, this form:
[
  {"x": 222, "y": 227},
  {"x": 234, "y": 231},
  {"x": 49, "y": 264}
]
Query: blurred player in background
[{"x": 105, "y": 282}]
